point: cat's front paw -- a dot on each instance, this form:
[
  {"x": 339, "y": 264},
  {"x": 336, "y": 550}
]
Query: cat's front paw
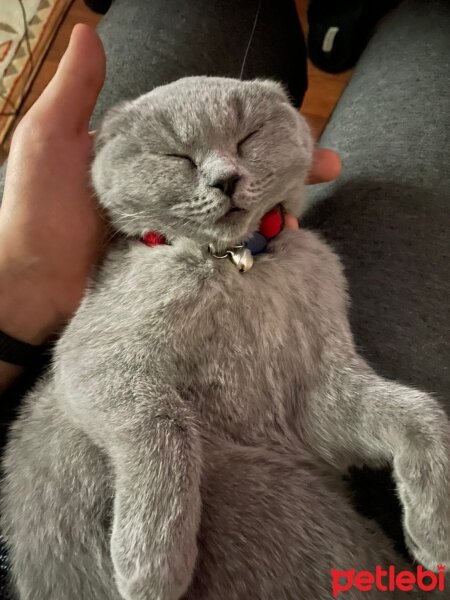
[
  {"x": 427, "y": 536},
  {"x": 424, "y": 490},
  {"x": 145, "y": 586},
  {"x": 141, "y": 575}
]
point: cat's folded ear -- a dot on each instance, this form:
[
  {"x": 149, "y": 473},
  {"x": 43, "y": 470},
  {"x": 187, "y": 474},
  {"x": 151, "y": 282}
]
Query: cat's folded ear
[
  {"x": 115, "y": 122},
  {"x": 275, "y": 88}
]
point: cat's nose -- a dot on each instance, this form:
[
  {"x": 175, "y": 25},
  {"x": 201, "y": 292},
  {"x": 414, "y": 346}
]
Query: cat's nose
[{"x": 227, "y": 184}]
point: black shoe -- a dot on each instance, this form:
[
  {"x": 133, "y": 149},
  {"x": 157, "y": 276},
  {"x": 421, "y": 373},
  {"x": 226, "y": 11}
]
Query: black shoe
[
  {"x": 339, "y": 30},
  {"x": 99, "y": 6}
]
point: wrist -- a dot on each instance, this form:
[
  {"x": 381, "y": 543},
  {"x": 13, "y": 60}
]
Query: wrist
[{"x": 26, "y": 312}]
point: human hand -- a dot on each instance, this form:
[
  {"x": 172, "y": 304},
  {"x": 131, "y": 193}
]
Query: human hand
[
  {"x": 51, "y": 230},
  {"x": 326, "y": 167}
]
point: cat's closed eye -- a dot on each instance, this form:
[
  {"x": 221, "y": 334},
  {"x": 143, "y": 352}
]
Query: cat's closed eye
[
  {"x": 183, "y": 157},
  {"x": 246, "y": 139}
]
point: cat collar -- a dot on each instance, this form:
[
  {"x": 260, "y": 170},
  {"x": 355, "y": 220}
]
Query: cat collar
[{"x": 241, "y": 255}]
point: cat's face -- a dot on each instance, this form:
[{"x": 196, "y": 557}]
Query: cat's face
[{"x": 203, "y": 158}]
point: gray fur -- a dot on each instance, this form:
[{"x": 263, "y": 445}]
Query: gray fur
[{"x": 190, "y": 438}]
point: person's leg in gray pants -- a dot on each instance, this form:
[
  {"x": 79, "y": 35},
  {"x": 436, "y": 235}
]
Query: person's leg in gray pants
[
  {"x": 150, "y": 43},
  {"x": 388, "y": 216}
]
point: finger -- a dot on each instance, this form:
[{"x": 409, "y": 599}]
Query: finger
[
  {"x": 69, "y": 99},
  {"x": 326, "y": 166},
  {"x": 290, "y": 222}
]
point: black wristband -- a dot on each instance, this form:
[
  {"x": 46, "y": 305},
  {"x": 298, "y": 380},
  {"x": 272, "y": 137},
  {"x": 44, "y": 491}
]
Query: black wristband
[{"x": 19, "y": 353}]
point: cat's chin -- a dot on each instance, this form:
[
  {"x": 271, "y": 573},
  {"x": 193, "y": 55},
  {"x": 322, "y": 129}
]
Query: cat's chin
[
  {"x": 233, "y": 227},
  {"x": 232, "y": 217}
]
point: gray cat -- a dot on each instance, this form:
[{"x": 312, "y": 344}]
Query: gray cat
[{"x": 190, "y": 437}]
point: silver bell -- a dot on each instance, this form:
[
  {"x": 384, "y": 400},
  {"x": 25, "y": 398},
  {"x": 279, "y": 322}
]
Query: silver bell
[{"x": 242, "y": 258}]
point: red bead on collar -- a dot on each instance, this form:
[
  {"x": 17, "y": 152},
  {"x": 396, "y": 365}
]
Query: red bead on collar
[
  {"x": 153, "y": 238},
  {"x": 271, "y": 225}
]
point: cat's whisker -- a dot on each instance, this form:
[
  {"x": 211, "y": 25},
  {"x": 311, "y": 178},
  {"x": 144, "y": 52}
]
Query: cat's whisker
[{"x": 141, "y": 213}]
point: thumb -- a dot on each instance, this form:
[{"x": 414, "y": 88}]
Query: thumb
[
  {"x": 67, "y": 102},
  {"x": 326, "y": 166}
]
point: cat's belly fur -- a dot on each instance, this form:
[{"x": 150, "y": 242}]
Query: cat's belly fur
[
  {"x": 241, "y": 348},
  {"x": 241, "y": 351}
]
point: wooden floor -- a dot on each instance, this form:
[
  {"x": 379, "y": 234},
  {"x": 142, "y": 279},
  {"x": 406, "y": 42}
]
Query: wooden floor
[
  {"x": 324, "y": 89},
  {"x": 323, "y": 92}
]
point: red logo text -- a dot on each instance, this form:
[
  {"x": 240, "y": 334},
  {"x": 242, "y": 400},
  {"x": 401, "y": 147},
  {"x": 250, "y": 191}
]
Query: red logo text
[{"x": 387, "y": 580}]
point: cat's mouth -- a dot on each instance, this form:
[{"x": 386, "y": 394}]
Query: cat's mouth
[{"x": 233, "y": 214}]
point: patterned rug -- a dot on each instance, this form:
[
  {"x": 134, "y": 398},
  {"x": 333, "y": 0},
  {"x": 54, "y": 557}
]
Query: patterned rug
[{"x": 26, "y": 29}]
